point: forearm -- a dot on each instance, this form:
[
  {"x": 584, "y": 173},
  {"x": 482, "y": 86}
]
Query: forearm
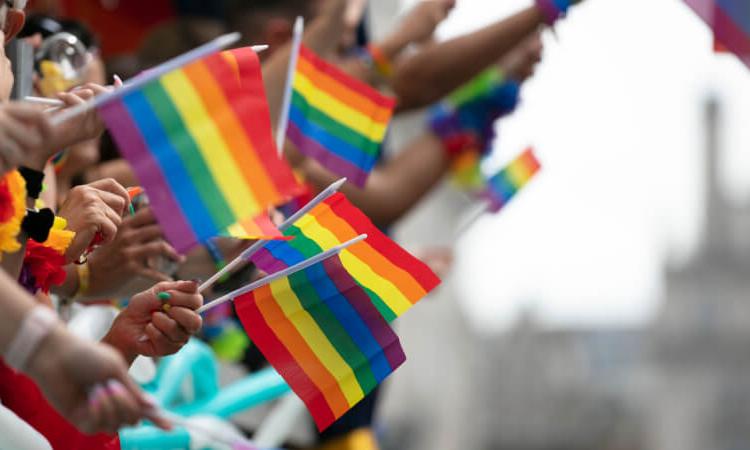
[
  {"x": 394, "y": 187},
  {"x": 13, "y": 263},
  {"x": 439, "y": 69},
  {"x": 16, "y": 304}
]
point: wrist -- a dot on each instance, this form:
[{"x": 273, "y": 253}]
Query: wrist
[
  {"x": 392, "y": 47},
  {"x": 71, "y": 287},
  {"x": 36, "y": 342},
  {"x": 119, "y": 341},
  {"x": 45, "y": 363}
]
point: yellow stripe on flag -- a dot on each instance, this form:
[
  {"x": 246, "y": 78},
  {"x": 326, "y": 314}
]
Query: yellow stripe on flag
[
  {"x": 338, "y": 111},
  {"x": 211, "y": 144},
  {"x": 360, "y": 270},
  {"x": 287, "y": 300}
]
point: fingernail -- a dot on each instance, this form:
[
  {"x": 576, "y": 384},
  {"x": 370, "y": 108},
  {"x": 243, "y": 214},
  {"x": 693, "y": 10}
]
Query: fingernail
[
  {"x": 143, "y": 338},
  {"x": 96, "y": 395},
  {"x": 163, "y": 296},
  {"x": 117, "y": 79},
  {"x": 132, "y": 209},
  {"x": 166, "y": 307},
  {"x": 197, "y": 281},
  {"x": 150, "y": 400},
  {"x": 115, "y": 387}
]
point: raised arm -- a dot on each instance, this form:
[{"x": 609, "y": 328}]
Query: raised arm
[{"x": 438, "y": 69}]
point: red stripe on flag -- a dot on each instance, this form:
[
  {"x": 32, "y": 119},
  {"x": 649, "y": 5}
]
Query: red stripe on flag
[
  {"x": 383, "y": 244},
  {"x": 281, "y": 359},
  {"x": 350, "y": 82}
]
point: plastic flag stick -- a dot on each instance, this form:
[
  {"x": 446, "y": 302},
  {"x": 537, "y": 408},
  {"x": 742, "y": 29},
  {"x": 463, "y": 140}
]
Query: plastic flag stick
[
  {"x": 245, "y": 255},
  {"x": 281, "y": 274}
]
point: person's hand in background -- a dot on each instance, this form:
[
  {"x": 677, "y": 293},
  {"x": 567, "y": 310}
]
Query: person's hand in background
[
  {"x": 85, "y": 126},
  {"x": 157, "y": 322},
  {"x": 93, "y": 208},
  {"x": 87, "y": 383},
  {"x": 121, "y": 268},
  {"x": 418, "y": 25},
  {"x": 24, "y": 134}
]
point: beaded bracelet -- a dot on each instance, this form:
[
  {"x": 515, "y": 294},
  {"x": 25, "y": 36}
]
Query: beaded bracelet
[{"x": 84, "y": 280}]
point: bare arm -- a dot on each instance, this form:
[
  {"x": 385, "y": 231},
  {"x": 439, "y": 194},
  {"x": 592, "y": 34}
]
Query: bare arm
[
  {"x": 394, "y": 187},
  {"x": 439, "y": 69}
]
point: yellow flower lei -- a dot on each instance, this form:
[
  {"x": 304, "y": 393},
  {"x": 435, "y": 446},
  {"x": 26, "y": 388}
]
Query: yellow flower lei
[
  {"x": 9, "y": 230},
  {"x": 59, "y": 238}
]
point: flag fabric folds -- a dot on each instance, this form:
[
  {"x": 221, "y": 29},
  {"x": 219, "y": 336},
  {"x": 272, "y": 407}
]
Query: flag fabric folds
[
  {"x": 199, "y": 140},
  {"x": 335, "y": 119},
  {"x": 319, "y": 330},
  {"x": 730, "y": 22},
  {"x": 392, "y": 278},
  {"x": 502, "y": 187}
]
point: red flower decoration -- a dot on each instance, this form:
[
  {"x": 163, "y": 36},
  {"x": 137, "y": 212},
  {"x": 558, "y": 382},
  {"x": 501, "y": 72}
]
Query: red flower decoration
[
  {"x": 6, "y": 201},
  {"x": 45, "y": 265}
]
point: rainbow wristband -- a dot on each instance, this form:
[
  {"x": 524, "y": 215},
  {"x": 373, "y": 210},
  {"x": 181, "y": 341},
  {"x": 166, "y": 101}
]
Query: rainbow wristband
[
  {"x": 552, "y": 10},
  {"x": 382, "y": 64}
]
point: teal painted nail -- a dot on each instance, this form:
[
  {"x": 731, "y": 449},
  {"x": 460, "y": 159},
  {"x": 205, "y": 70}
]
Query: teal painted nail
[
  {"x": 132, "y": 210},
  {"x": 164, "y": 296}
]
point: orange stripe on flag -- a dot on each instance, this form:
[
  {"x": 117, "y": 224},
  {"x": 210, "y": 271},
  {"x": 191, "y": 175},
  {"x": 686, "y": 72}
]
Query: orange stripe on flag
[
  {"x": 232, "y": 132},
  {"x": 300, "y": 350},
  {"x": 366, "y": 253},
  {"x": 324, "y": 82}
]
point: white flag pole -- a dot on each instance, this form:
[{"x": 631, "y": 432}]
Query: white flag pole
[
  {"x": 281, "y": 128},
  {"x": 139, "y": 81},
  {"x": 471, "y": 217},
  {"x": 281, "y": 274},
  {"x": 245, "y": 255}
]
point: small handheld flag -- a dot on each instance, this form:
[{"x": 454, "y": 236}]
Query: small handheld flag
[
  {"x": 393, "y": 279},
  {"x": 502, "y": 187},
  {"x": 335, "y": 119},
  {"x": 199, "y": 139},
  {"x": 319, "y": 330},
  {"x": 245, "y": 255}
]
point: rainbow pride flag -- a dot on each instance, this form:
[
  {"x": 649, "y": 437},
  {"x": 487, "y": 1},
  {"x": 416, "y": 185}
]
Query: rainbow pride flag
[
  {"x": 337, "y": 120},
  {"x": 320, "y": 331},
  {"x": 393, "y": 279},
  {"x": 730, "y": 22},
  {"x": 502, "y": 187},
  {"x": 199, "y": 140}
]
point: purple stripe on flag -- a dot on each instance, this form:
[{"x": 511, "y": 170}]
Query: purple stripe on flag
[
  {"x": 732, "y": 36},
  {"x": 704, "y": 8},
  {"x": 133, "y": 146},
  {"x": 496, "y": 202},
  {"x": 370, "y": 315},
  {"x": 267, "y": 262},
  {"x": 326, "y": 158},
  {"x": 394, "y": 353}
]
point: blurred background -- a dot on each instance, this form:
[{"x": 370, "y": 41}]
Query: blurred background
[{"x": 605, "y": 308}]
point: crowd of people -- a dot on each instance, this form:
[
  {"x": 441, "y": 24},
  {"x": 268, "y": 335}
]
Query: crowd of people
[{"x": 73, "y": 231}]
